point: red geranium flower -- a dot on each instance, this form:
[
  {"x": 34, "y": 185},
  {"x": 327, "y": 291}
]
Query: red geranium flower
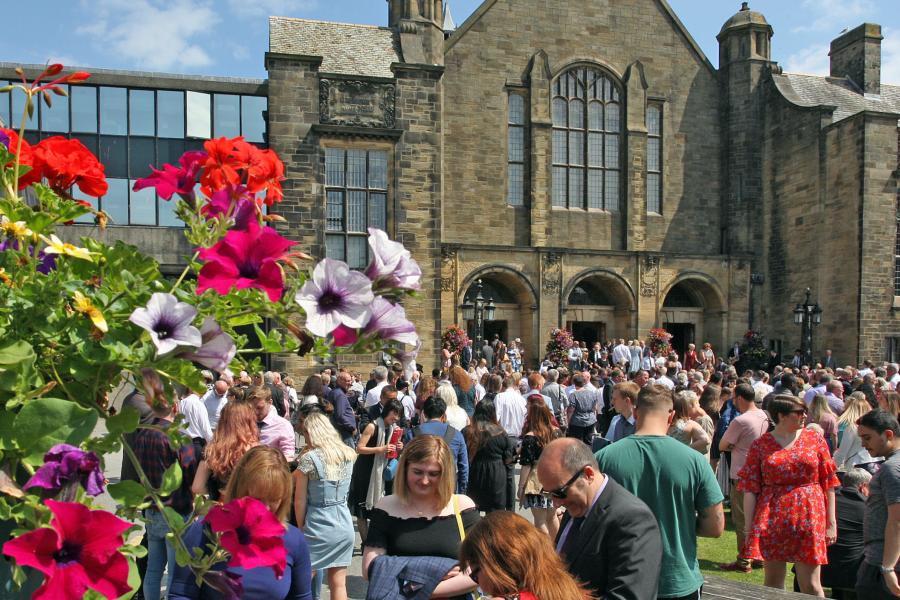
[
  {"x": 245, "y": 259},
  {"x": 234, "y": 161},
  {"x": 221, "y": 166},
  {"x": 251, "y": 533},
  {"x": 26, "y": 158},
  {"x": 64, "y": 163},
  {"x": 79, "y": 552}
]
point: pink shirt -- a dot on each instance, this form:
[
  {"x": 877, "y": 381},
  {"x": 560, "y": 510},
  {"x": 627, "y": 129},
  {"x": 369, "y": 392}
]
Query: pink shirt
[
  {"x": 742, "y": 432},
  {"x": 278, "y": 433}
]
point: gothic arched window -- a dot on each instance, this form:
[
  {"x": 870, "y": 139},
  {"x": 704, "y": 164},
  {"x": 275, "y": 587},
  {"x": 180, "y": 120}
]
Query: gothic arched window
[{"x": 587, "y": 130}]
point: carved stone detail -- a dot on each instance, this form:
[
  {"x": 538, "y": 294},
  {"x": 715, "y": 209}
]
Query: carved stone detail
[
  {"x": 356, "y": 103},
  {"x": 551, "y": 274},
  {"x": 448, "y": 268},
  {"x": 650, "y": 276}
]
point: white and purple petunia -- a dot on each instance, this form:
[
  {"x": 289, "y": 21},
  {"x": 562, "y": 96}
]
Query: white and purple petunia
[
  {"x": 335, "y": 295},
  {"x": 169, "y": 323},
  {"x": 217, "y": 350},
  {"x": 392, "y": 264},
  {"x": 389, "y": 322}
]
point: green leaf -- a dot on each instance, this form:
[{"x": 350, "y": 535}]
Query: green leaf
[
  {"x": 7, "y": 430},
  {"x": 171, "y": 479},
  {"x": 127, "y": 493},
  {"x": 44, "y": 422},
  {"x": 17, "y": 367},
  {"x": 126, "y": 421},
  {"x": 242, "y": 320}
]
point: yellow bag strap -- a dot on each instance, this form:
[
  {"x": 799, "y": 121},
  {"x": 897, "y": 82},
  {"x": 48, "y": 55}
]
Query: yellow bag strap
[{"x": 459, "y": 522}]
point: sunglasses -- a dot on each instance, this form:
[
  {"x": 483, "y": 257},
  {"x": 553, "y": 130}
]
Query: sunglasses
[
  {"x": 563, "y": 491},
  {"x": 799, "y": 411}
]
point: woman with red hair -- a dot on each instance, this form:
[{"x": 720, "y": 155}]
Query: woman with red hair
[{"x": 235, "y": 434}]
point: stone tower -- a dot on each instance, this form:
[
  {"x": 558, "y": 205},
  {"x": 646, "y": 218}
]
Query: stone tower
[
  {"x": 421, "y": 27},
  {"x": 744, "y": 56}
]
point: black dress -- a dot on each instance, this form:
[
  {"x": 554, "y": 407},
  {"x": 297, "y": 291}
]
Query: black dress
[
  {"x": 359, "y": 481},
  {"x": 419, "y": 536},
  {"x": 487, "y": 472}
]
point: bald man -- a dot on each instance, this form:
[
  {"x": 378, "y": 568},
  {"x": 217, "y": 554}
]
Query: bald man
[{"x": 608, "y": 538}]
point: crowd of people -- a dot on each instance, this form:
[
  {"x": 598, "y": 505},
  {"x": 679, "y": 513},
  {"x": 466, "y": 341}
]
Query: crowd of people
[{"x": 625, "y": 457}]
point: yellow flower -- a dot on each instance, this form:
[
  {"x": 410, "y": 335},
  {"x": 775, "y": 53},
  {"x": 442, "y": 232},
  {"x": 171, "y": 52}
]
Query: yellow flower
[
  {"x": 15, "y": 228},
  {"x": 5, "y": 278},
  {"x": 57, "y": 246},
  {"x": 84, "y": 305}
]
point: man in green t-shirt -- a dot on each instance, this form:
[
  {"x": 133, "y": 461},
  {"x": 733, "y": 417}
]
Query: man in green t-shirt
[{"x": 678, "y": 485}]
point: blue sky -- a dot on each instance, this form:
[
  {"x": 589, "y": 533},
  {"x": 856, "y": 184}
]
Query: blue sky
[{"x": 229, "y": 37}]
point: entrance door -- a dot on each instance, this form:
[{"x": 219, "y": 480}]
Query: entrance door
[
  {"x": 682, "y": 335},
  {"x": 501, "y": 328},
  {"x": 587, "y": 331}
]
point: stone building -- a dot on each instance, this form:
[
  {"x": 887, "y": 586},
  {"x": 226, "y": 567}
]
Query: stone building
[{"x": 589, "y": 166}]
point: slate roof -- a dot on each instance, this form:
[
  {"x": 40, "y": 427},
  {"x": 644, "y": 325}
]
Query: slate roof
[
  {"x": 346, "y": 49},
  {"x": 814, "y": 90}
]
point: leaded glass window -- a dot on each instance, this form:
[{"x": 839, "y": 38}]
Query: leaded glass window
[
  {"x": 515, "y": 149},
  {"x": 355, "y": 199},
  {"x": 587, "y": 129},
  {"x": 654, "y": 158},
  {"x": 897, "y": 254}
]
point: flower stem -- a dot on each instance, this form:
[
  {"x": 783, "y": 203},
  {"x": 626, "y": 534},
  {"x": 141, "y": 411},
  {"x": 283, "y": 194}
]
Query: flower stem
[{"x": 185, "y": 272}]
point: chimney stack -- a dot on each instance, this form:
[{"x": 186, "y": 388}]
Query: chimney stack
[{"x": 857, "y": 55}]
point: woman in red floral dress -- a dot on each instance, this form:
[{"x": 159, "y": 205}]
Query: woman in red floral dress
[{"x": 788, "y": 483}]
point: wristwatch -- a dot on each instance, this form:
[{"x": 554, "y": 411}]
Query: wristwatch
[{"x": 885, "y": 569}]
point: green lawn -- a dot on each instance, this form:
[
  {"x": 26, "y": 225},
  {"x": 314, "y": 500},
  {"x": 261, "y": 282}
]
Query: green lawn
[{"x": 713, "y": 551}]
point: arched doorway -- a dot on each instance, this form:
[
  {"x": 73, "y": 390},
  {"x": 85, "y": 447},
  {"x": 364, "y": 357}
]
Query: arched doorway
[
  {"x": 693, "y": 311},
  {"x": 599, "y": 307},
  {"x": 516, "y": 303}
]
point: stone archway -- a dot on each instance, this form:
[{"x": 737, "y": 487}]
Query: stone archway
[
  {"x": 599, "y": 304},
  {"x": 694, "y": 310}
]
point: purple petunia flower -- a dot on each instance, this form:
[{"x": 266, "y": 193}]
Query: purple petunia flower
[
  {"x": 47, "y": 262},
  {"x": 67, "y": 464},
  {"x": 169, "y": 322},
  {"x": 4, "y": 139},
  {"x": 238, "y": 201},
  {"x": 389, "y": 322},
  {"x": 392, "y": 264},
  {"x": 229, "y": 585},
  {"x": 217, "y": 349},
  {"x": 335, "y": 295}
]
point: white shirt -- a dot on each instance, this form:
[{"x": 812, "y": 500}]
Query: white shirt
[
  {"x": 575, "y": 353},
  {"x": 214, "y": 405},
  {"x": 196, "y": 417},
  {"x": 373, "y": 396},
  {"x": 621, "y": 354},
  {"x": 511, "y": 408},
  {"x": 409, "y": 405},
  {"x": 665, "y": 381},
  {"x": 761, "y": 385}
]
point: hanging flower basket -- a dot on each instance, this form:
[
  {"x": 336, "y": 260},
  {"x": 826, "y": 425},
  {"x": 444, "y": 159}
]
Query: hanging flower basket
[
  {"x": 456, "y": 337},
  {"x": 561, "y": 340},
  {"x": 659, "y": 340}
]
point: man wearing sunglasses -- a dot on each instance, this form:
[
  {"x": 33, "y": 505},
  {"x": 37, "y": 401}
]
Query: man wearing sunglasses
[{"x": 608, "y": 538}]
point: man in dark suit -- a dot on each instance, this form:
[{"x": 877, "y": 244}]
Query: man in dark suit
[
  {"x": 466, "y": 359},
  {"x": 487, "y": 352},
  {"x": 608, "y": 538},
  {"x": 828, "y": 361}
]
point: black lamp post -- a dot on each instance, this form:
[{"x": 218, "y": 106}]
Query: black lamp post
[
  {"x": 478, "y": 310},
  {"x": 807, "y": 316}
]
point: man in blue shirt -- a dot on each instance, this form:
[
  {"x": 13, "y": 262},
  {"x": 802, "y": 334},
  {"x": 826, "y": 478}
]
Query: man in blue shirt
[{"x": 435, "y": 413}]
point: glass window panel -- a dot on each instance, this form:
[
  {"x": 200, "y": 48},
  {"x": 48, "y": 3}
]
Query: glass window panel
[
  {"x": 559, "y": 186},
  {"x": 653, "y": 196},
  {"x": 516, "y": 109},
  {"x": 595, "y": 149},
  {"x": 56, "y": 117},
  {"x": 32, "y": 137},
  {"x": 77, "y": 194},
  {"x": 560, "y": 153},
  {"x": 198, "y": 117},
  {"x": 653, "y": 120},
  {"x": 515, "y": 194},
  {"x": 612, "y": 117},
  {"x": 576, "y": 148},
  {"x": 334, "y": 247},
  {"x": 115, "y": 202},
  {"x": 114, "y": 155},
  {"x": 653, "y": 154},
  {"x": 167, "y": 216},
  {"x": 378, "y": 170},
  {"x": 253, "y": 118},
  {"x": 356, "y": 212},
  {"x": 193, "y": 145},
  {"x": 170, "y": 113},
  {"x": 576, "y": 114},
  {"x": 357, "y": 252},
  {"x": 595, "y": 188},
  {"x": 516, "y": 144},
  {"x": 580, "y": 90},
  {"x": 560, "y": 110},
  {"x": 356, "y": 168},
  {"x": 615, "y": 97},
  {"x": 378, "y": 211},
  {"x": 576, "y": 188},
  {"x": 595, "y": 116},
  {"x": 612, "y": 191},
  {"x": 142, "y": 207},
  {"x": 18, "y": 109},
  {"x": 113, "y": 111},
  {"x": 84, "y": 108},
  {"x": 607, "y": 89},
  {"x": 141, "y": 156},
  {"x": 4, "y": 106},
  {"x": 142, "y": 117},
  {"x": 168, "y": 151},
  {"x": 612, "y": 151},
  {"x": 334, "y": 166},
  {"x": 334, "y": 220},
  {"x": 227, "y": 115},
  {"x": 89, "y": 141}
]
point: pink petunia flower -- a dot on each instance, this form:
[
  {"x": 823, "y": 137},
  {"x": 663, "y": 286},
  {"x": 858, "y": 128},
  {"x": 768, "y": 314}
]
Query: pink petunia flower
[
  {"x": 174, "y": 180},
  {"x": 250, "y": 533},
  {"x": 245, "y": 259},
  {"x": 79, "y": 551},
  {"x": 236, "y": 202}
]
